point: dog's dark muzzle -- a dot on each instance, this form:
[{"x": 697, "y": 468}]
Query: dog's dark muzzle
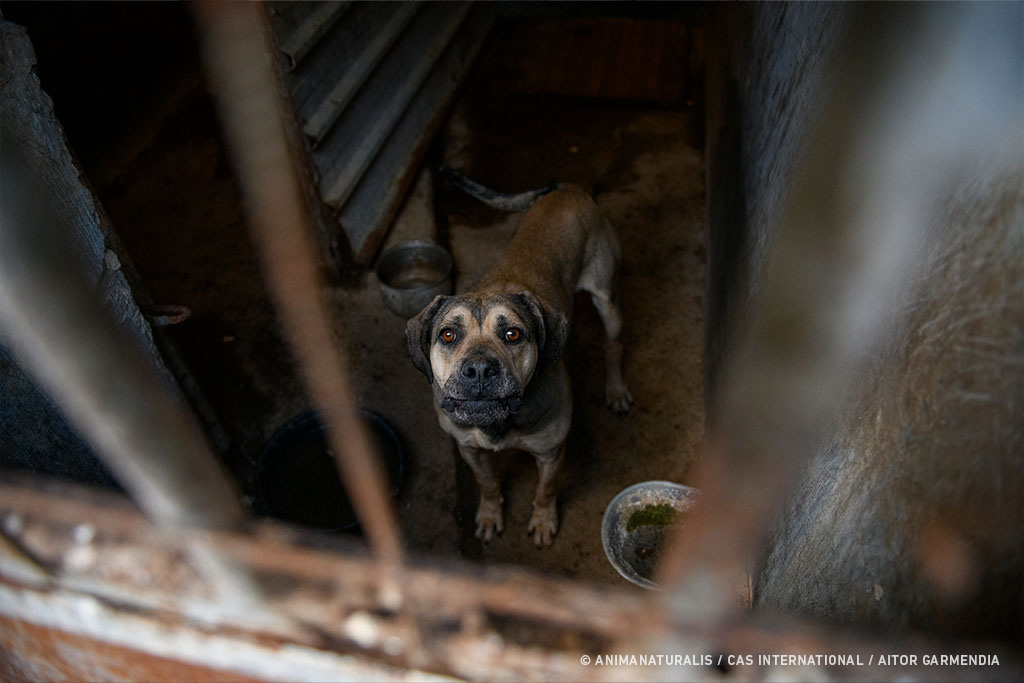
[
  {"x": 481, "y": 392},
  {"x": 480, "y": 377},
  {"x": 481, "y": 413},
  {"x": 509, "y": 405}
]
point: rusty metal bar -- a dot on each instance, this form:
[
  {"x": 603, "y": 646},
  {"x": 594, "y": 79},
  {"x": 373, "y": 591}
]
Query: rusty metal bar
[
  {"x": 103, "y": 382},
  {"x": 70, "y": 343},
  {"x": 242, "y": 72}
]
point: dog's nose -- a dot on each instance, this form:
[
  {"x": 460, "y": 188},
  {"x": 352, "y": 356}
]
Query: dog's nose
[{"x": 480, "y": 369}]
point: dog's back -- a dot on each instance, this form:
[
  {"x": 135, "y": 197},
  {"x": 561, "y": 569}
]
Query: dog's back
[
  {"x": 548, "y": 251},
  {"x": 550, "y": 246}
]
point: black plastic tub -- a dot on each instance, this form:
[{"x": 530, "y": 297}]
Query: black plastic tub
[{"x": 296, "y": 480}]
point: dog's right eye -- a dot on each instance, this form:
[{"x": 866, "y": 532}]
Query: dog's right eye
[{"x": 447, "y": 336}]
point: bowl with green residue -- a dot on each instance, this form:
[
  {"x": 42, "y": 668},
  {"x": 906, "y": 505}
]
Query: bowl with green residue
[{"x": 637, "y": 524}]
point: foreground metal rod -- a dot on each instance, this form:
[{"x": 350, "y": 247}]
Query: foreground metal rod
[
  {"x": 242, "y": 74},
  {"x": 61, "y": 333}
]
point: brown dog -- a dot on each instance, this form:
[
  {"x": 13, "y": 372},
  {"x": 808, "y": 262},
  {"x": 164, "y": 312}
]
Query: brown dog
[{"x": 493, "y": 356}]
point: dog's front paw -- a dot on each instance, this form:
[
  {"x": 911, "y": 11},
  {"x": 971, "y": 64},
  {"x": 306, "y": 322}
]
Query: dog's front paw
[
  {"x": 489, "y": 519},
  {"x": 543, "y": 524},
  {"x": 619, "y": 399}
]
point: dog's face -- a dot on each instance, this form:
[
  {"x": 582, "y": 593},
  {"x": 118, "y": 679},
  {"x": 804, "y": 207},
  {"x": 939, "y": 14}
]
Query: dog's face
[{"x": 481, "y": 351}]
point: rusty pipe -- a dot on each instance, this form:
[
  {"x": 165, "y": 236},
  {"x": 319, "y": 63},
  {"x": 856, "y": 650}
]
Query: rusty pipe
[{"x": 239, "y": 63}]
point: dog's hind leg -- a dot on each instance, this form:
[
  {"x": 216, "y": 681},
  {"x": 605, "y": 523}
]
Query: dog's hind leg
[
  {"x": 616, "y": 392},
  {"x": 599, "y": 280},
  {"x": 489, "y": 517}
]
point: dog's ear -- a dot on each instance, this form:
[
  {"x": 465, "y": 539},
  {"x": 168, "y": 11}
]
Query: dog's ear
[
  {"x": 552, "y": 327},
  {"x": 419, "y": 335}
]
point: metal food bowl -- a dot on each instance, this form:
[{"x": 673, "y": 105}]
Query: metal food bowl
[
  {"x": 638, "y": 522},
  {"x": 411, "y": 274},
  {"x": 296, "y": 479}
]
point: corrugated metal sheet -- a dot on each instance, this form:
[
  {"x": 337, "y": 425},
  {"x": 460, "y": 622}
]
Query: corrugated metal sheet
[{"x": 370, "y": 84}]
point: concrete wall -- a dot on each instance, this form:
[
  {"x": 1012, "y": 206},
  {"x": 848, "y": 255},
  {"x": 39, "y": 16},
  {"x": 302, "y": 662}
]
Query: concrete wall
[
  {"x": 910, "y": 512},
  {"x": 765, "y": 70},
  {"x": 33, "y": 433}
]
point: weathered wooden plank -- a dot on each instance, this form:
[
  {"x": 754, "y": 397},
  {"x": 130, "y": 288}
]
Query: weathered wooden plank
[
  {"x": 343, "y": 165},
  {"x": 40, "y": 651},
  {"x": 374, "y": 202},
  {"x": 362, "y": 84},
  {"x": 335, "y": 53},
  {"x": 346, "y": 88},
  {"x": 605, "y": 57},
  {"x": 638, "y": 57},
  {"x": 312, "y": 28},
  {"x": 612, "y": 55},
  {"x": 288, "y": 15},
  {"x": 345, "y": 603}
]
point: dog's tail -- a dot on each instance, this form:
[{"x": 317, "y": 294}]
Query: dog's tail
[{"x": 492, "y": 198}]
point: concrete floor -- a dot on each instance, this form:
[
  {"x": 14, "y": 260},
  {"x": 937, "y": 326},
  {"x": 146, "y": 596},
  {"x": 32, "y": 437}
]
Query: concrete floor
[{"x": 177, "y": 210}]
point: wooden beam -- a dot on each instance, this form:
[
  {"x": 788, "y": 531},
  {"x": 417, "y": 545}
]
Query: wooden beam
[
  {"x": 346, "y": 88},
  {"x": 374, "y": 202},
  {"x": 103, "y": 559},
  {"x": 313, "y": 27},
  {"x": 343, "y": 170}
]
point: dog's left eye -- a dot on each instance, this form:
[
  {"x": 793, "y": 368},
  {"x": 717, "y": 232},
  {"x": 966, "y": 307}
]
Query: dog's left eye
[{"x": 513, "y": 335}]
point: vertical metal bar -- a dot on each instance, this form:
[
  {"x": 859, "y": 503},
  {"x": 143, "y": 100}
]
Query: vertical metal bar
[
  {"x": 239, "y": 63},
  {"x": 103, "y": 382}
]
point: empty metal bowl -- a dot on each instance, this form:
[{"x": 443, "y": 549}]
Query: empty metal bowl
[
  {"x": 638, "y": 522},
  {"x": 411, "y": 274}
]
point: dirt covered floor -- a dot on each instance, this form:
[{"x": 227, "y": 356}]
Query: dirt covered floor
[{"x": 519, "y": 123}]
